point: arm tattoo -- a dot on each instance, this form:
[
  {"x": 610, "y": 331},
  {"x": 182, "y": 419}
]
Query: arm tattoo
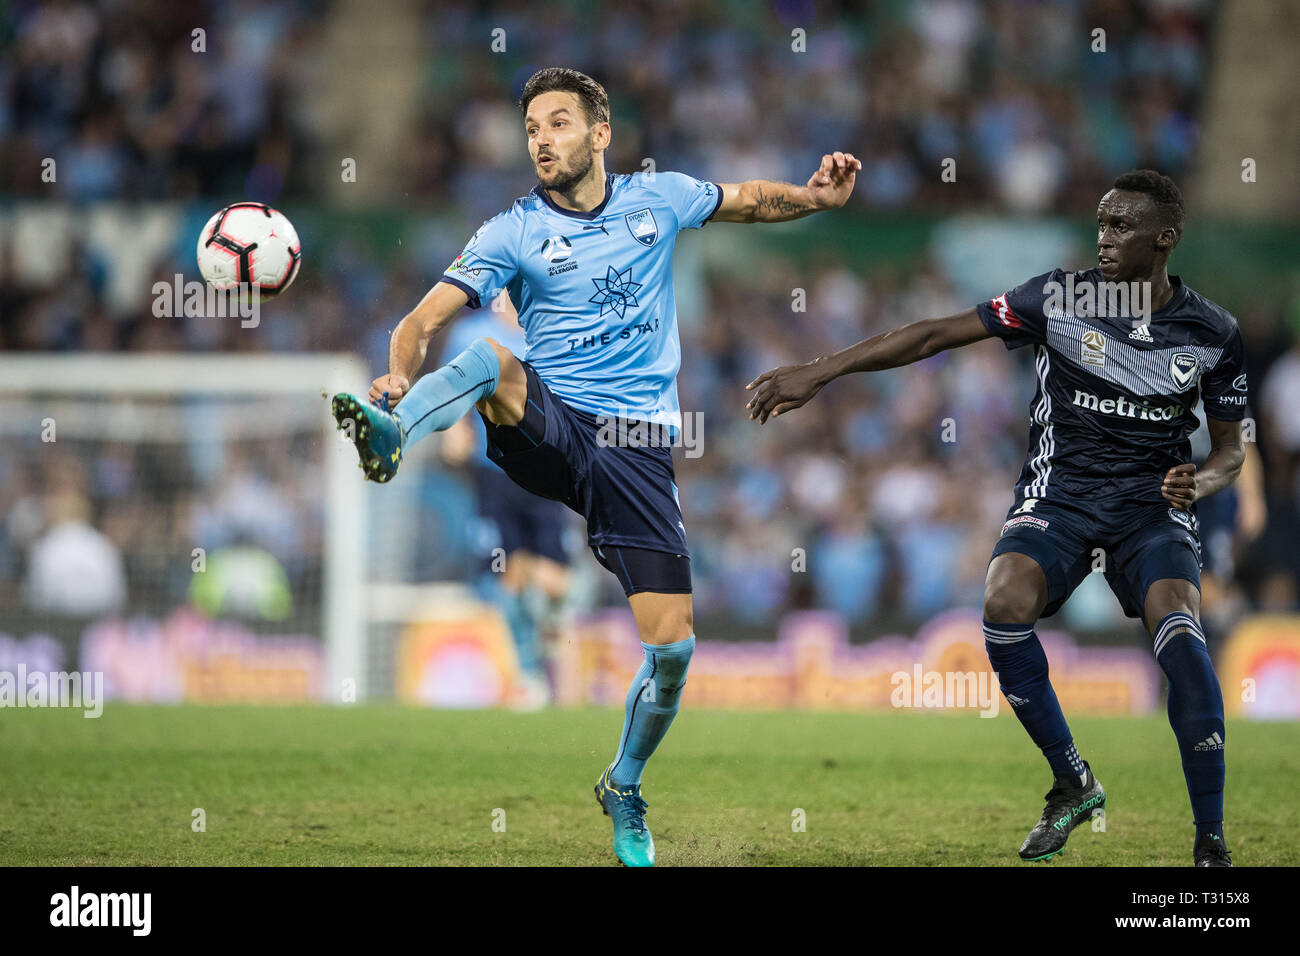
[{"x": 777, "y": 206}]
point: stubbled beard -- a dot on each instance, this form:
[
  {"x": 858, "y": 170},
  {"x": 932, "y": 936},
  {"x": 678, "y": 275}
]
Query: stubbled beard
[{"x": 582, "y": 165}]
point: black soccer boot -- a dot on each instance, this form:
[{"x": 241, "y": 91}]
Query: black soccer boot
[
  {"x": 1210, "y": 850},
  {"x": 1068, "y": 805}
]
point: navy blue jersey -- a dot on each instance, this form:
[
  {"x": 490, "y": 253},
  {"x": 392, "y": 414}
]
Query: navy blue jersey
[{"x": 1116, "y": 400}]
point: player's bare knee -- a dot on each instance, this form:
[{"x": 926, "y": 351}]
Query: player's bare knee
[
  {"x": 1015, "y": 590},
  {"x": 505, "y": 358},
  {"x": 505, "y": 406},
  {"x": 1008, "y": 603},
  {"x": 670, "y": 632},
  {"x": 1170, "y": 596},
  {"x": 669, "y": 627}
]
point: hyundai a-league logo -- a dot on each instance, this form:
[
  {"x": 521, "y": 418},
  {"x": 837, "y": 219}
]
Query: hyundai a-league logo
[
  {"x": 643, "y": 227},
  {"x": 615, "y": 292},
  {"x": 556, "y": 249}
]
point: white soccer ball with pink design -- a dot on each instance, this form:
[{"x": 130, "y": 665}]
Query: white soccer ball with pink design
[{"x": 250, "y": 243}]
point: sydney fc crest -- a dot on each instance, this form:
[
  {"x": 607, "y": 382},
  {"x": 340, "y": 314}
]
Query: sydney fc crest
[
  {"x": 642, "y": 226},
  {"x": 1183, "y": 368}
]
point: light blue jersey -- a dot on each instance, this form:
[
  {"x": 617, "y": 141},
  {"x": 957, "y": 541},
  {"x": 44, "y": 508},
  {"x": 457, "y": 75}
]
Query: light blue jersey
[
  {"x": 485, "y": 324},
  {"x": 596, "y": 300}
]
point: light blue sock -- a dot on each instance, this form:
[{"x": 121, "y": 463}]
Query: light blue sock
[
  {"x": 651, "y": 706},
  {"x": 523, "y": 628},
  {"x": 437, "y": 401},
  {"x": 520, "y": 619}
]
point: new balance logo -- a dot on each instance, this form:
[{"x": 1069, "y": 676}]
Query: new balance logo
[
  {"x": 1212, "y": 742},
  {"x": 1141, "y": 334},
  {"x": 1066, "y": 822}
]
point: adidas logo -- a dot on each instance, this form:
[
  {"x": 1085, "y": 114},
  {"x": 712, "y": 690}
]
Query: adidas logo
[
  {"x": 1015, "y": 701},
  {"x": 1141, "y": 334},
  {"x": 1212, "y": 742}
]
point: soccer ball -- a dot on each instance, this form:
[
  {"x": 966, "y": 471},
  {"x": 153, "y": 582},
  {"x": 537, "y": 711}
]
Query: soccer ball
[{"x": 249, "y": 242}]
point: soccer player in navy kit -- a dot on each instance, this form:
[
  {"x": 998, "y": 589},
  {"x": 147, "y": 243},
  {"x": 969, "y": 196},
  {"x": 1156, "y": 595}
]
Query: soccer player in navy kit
[
  {"x": 594, "y": 253},
  {"x": 1108, "y": 466}
]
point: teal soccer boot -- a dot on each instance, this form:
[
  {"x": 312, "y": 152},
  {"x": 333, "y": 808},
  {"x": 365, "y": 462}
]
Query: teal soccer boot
[
  {"x": 375, "y": 431},
  {"x": 633, "y": 844}
]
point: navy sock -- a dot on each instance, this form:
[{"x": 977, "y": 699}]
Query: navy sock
[
  {"x": 1196, "y": 715},
  {"x": 439, "y": 399},
  {"x": 1017, "y": 657},
  {"x": 651, "y": 705}
]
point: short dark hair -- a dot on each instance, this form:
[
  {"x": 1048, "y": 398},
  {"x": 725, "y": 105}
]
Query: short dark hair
[
  {"x": 592, "y": 96},
  {"x": 1162, "y": 190}
]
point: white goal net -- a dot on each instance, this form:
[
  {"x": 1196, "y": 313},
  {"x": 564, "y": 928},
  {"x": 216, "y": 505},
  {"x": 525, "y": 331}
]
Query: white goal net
[{"x": 190, "y": 526}]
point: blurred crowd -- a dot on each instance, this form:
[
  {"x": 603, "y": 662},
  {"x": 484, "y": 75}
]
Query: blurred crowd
[
  {"x": 145, "y": 99},
  {"x": 1035, "y": 106},
  {"x": 862, "y": 502},
  {"x": 1012, "y": 91}
]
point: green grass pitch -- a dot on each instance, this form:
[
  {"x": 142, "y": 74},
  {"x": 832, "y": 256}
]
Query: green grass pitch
[{"x": 397, "y": 785}]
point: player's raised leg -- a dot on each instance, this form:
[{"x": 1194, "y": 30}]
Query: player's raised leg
[
  {"x": 486, "y": 375},
  {"x": 1171, "y": 615},
  {"x": 1015, "y": 595},
  {"x": 666, "y": 625}
]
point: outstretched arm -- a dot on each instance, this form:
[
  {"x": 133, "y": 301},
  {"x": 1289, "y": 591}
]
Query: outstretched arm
[
  {"x": 759, "y": 200},
  {"x": 791, "y": 386}
]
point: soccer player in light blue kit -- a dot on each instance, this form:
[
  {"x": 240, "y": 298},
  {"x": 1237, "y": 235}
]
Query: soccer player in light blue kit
[{"x": 594, "y": 253}]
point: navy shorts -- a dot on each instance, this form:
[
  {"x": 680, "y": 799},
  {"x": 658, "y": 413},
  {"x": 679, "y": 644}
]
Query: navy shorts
[
  {"x": 520, "y": 521},
  {"x": 1134, "y": 544},
  {"x": 627, "y": 493}
]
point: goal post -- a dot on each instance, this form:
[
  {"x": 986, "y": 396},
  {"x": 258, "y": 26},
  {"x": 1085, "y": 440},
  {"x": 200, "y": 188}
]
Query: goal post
[{"x": 130, "y": 427}]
